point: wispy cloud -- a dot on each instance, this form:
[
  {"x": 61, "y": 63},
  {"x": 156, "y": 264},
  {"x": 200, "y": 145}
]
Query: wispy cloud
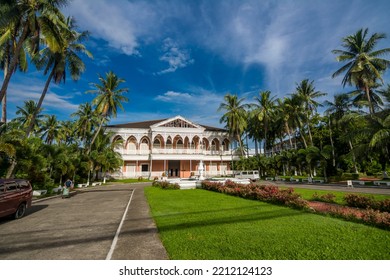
[
  {"x": 200, "y": 105},
  {"x": 119, "y": 23},
  {"x": 174, "y": 56},
  {"x": 31, "y": 89}
]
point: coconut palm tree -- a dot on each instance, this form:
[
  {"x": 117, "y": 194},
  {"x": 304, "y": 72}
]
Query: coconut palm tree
[
  {"x": 26, "y": 115},
  {"x": 379, "y": 139},
  {"x": 32, "y": 20},
  {"x": 110, "y": 97},
  {"x": 364, "y": 64},
  {"x": 305, "y": 90},
  {"x": 264, "y": 108},
  {"x": 235, "y": 117},
  {"x": 286, "y": 115},
  {"x": 86, "y": 120},
  {"x": 65, "y": 59},
  {"x": 50, "y": 129},
  {"x": 296, "y": 111},
  {"x": 7, "y": 43}
]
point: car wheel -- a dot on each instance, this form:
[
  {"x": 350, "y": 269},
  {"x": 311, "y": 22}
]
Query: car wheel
[{"x": 21, "y": 211}]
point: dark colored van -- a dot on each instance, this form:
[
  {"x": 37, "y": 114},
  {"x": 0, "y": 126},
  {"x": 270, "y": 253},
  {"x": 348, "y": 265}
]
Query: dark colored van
[{"x": 15, "y": 197}]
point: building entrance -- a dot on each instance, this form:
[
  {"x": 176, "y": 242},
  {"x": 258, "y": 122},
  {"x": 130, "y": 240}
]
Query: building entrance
[{"x": 174, "y": 168}]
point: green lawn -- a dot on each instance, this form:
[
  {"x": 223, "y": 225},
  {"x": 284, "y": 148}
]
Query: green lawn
[
  {"x": 308, "y": 194},
  {"x": 199, "y": 224}
]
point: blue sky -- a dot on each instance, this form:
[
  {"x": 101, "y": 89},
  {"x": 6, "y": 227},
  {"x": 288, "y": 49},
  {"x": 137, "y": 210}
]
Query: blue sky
[{"x": 181, "y": 57}]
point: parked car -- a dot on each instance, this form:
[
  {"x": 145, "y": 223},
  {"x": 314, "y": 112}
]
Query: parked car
[
  {"x": 252, "y": 175},
  {"x": 15, "y": 197}
]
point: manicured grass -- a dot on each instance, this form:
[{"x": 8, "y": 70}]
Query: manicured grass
[
  {"x": 308, "y": 194},
  {"x": 199, "y": 224}
]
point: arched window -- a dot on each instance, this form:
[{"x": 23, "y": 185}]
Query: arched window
[
  {"x": 156, "y": 143},
  {"x": 144, "y": 145}
]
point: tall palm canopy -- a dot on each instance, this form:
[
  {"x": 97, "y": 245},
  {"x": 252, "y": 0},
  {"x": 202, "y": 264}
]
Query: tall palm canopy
[
  {"x": 66, "y": 59},
  {"x": 364, "y": 63},
  {"x": 110, "y": 97},
  {"x": 235, "y": 115},
  {"x": 32, "y": 20},
  {"x": 264, "y": 109}
]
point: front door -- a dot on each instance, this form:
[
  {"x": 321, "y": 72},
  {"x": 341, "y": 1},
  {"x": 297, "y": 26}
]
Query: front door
[{"x": 174, "y": 168}]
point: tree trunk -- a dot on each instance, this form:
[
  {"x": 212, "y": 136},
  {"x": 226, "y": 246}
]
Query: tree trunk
[
  {"x": 309, "y": 130},
  {"x": 14, "y": 62},
  {"x": 4, "y": 101},
  {"x": 11, "y": 169},
  {"x": 370, "y": 106},
  {"x": 256, "y": 148},
  {"x": 39, "y": 105},
  {"x": 331, "y": 143},
  {"x": 353, "y": 156},
  {"x": 289, "y": 135},
  {"x": 96, "y": 134}
]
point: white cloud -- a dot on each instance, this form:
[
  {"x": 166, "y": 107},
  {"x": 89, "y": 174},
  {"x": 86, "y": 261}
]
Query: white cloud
[
  {"x": 200, "y": 105},
  {"x": 31, "y": 89},
  {"x": 174, "y": 56},
  {"x": 175, "y": 97},
  {"x": 120, "y": 23}
]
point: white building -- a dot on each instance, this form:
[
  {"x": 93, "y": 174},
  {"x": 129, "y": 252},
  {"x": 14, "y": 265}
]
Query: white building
[{"x": 174, "y": 147}]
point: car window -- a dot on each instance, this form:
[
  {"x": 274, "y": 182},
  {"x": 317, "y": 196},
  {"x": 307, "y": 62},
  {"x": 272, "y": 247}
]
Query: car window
[
  {"x": 23, "y": 184},
  {"x": 2, "y": 188},
  {"x": 11, "y": 187}
]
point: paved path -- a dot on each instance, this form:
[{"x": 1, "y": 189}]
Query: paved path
[
  {"x": 333, "y": 187},
  {"x": 84, "y": 227}
]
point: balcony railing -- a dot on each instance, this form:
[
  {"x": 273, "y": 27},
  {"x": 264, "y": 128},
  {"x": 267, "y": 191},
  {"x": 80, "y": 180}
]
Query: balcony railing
[{"x": 173, "y": 152}]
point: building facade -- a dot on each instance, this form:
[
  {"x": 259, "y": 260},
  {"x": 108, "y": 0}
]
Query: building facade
[{"x": 174, "y": 147}]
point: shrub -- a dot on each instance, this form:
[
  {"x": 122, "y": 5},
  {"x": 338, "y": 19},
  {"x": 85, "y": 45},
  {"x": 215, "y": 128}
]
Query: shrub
[
  {"x": 381, "y": 219},
  {"x": 329, "y": 197},
  {"x": 265, "y": 193},
  {"x": 165, "y": 185},
  {"x": 140, "y": 178},
  {"x": 384, "y": 205},
  {"x": 360, "y": 201},
  {"x": 350, "y": 176}
]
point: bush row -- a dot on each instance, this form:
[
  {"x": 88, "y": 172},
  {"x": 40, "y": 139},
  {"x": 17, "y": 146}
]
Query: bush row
[
  {"x": 265, "y": 193},
  {"x": 367, "y": 216},
  {"x": 165, "y": 185},
  {"x": 329, "y": 197},
  {"x": 367, "y": 202}
]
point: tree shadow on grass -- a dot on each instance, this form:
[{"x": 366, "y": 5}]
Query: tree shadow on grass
[{"x": 208, "y": 218}]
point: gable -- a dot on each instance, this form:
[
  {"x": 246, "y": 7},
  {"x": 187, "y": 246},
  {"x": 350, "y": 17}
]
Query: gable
[{"x": 177, "y": 122}]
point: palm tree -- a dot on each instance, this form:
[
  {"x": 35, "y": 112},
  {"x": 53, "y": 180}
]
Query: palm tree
[
  {"x": 379, "y": 134},
  {"x": 27, "y": 111},
  {"x": 336, "y": 110},
  {"x": 235, "y": 117},
  {"x": 64, "y": 59},
  {"x": 305, "y": 90},
  {"x": 264, "y": 108},
  {"x": 109, "y": 98},
  {"x": 286, "y": 115},
  {"x": 385, "y": 92},
  {"x": 86, "y": 120},
  {"x": 50, "y": 129},
  {"x": 294, "y": 108},
  {"x": 364, "y": 63},
  {"x": 7, "y": 42},
  {"x": 33, "y": 20}
]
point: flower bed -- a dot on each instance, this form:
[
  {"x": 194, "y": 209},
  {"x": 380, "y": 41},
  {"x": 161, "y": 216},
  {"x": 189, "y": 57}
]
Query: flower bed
[
  {"x": 265, "y": 193},
  {"x": 368, "y": 216},
  {"x": 287, "y": 197},
  {"x": 165, "y": 185}
]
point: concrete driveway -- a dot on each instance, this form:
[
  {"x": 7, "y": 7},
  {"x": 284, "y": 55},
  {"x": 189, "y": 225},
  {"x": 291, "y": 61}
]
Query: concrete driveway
[{"x": 85, "y": 226}]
